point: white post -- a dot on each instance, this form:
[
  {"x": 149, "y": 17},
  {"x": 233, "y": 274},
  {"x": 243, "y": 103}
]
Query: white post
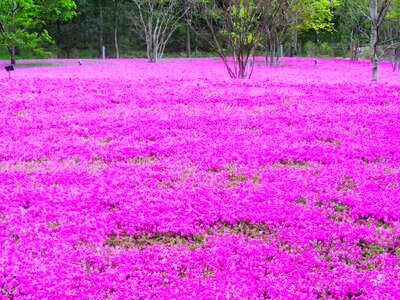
[
  {"x": 103, "y": 52},
  {"x": 281, "y": 51}
]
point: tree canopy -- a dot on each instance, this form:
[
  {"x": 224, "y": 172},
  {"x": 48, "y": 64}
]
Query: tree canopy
[{"x": 23, "y": 22}]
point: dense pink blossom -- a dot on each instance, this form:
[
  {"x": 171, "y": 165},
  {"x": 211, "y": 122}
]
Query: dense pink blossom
[{"x": 122, "y": 179}]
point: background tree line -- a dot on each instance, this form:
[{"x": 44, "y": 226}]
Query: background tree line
[{"x": 238, "y": 29}]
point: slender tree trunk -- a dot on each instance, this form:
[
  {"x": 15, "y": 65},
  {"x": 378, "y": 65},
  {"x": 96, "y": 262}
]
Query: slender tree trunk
[
  {"x": 101, "y": 28},
  {"x": 272, "y": 52},
  {"x": 116, "y": 42},
  {"x": 353, "y": 51},
  {"x": 242, "y": 65},
  {"x": 374, "y": 54},
  {"x": 373, "y": 11},
  {"x": 279, "y": 55},
  {"x": 151, "y": 51},
  {"x": 377, "y": 16},
  {"x": 11, "y": 51},
  {"x": 116, "y": 45},
  {"x": 352, "y": 45},
  {"x": 11, "y": 48},
  {"x": 272, "y": 46},
  {"x": 155, "y": 48},
  {"x": 188, "y": 46},
  {"x": 293, "y": 43},
  {"x": 267, "y": 47},
  {"x": 195, "y": 46}
]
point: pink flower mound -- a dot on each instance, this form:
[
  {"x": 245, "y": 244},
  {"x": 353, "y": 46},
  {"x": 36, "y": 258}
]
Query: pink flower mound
[{"x": 129, "y": 180}]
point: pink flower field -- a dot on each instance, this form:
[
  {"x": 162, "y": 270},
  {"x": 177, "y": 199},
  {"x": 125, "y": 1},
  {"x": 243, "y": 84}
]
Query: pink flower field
[{"x": 122, "y": 179}]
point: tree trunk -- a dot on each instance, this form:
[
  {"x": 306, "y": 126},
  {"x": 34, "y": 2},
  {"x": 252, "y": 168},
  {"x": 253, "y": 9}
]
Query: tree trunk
[
  {"x": 374, "y": 54},
  {"x": 150, "y": 51},
  {"x": 196, "y": 50},
  {"x": 353, "y": 51},
  {"x": 293, "y": 43},
  {"x": 373, "y": 11},
  {"x": 188, "y": 46},
  {"x": 279, "y": 54},
  {"x": 376, "y": 17},
  {"x": 352, "y": 47},
  {"x": 272, "y": 52},
  {"x": 116, "y": 41},
  {"x": 155, "y": 48},
  {"x": 116, "y": 29},
  {"x": 267, "y": 47},
  {"x": 242, "y": 66},
  {"x": 101, "y": 28},
  {"x": 11, "y": 51}
]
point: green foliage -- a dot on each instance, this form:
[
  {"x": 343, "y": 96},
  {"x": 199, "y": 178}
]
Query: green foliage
[
  {"x": 63, "y": 10},
  {"x": 316, "y": 14},
  {"x": 22, "y": 22},
  {"x": 242, "y": 23}
]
